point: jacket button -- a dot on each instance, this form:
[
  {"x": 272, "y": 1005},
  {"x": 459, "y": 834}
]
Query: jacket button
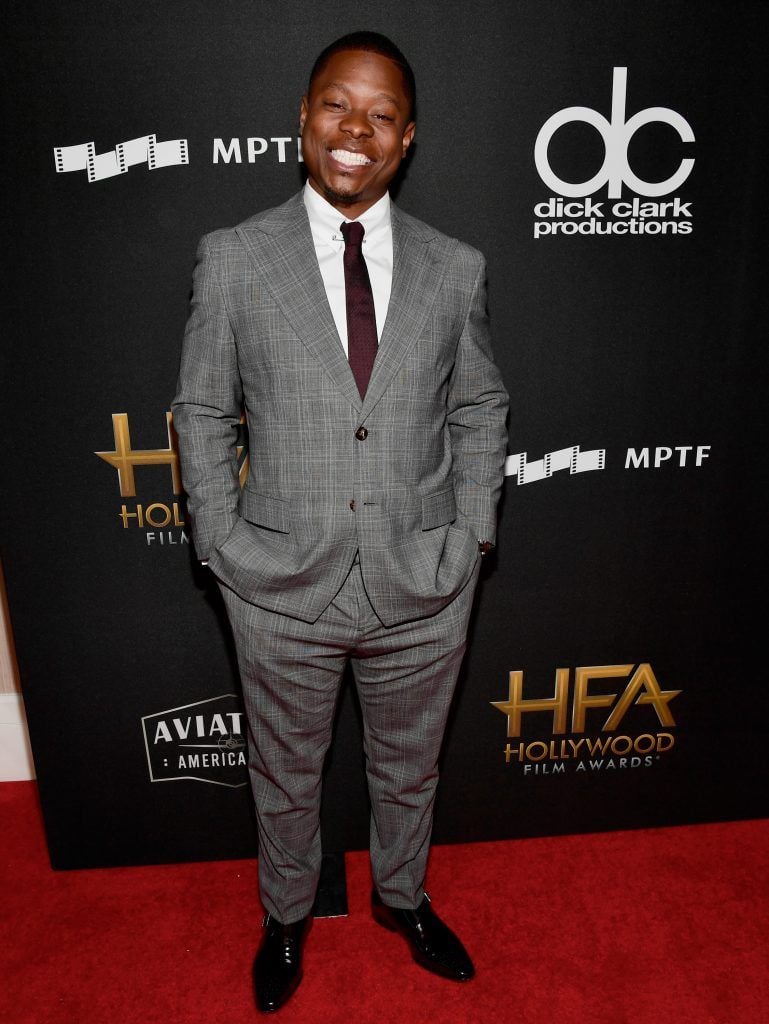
[
  {"x": 361, "y": 433},
  {"x": 352, "y": 505}
]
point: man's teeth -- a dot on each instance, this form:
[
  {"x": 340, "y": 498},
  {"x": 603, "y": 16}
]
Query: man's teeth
[{"x": 344, "y": 156}]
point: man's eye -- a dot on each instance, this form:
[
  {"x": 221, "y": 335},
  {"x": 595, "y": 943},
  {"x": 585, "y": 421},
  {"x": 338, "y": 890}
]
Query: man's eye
[
  {"x": 333, "y": 105},
  {"x": 383, "y": 117}
]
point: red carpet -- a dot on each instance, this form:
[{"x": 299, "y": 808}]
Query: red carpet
[{"x": 622, "y": 928}]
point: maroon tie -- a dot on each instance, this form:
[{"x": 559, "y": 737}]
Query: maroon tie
[{"x": 361, "y": 322}]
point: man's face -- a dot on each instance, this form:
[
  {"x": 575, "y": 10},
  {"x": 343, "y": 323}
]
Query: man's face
[{"x": 355, "y": 129}]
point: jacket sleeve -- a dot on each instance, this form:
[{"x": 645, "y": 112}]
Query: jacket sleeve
[
  {"x": 477, "y": 412},
  {"x": 207, "y": 407}
]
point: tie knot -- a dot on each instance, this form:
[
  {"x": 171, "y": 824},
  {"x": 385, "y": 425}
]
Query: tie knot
[{"x": 353, "y": 232}]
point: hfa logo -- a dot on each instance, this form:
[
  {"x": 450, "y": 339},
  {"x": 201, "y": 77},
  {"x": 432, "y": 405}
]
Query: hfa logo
[
  {"x": 631, "y": 749},
  {"x": 125, "y": 459},
  {"x": 634, "y": 217},
  {"x": 156, "y": 518},
  {"x": 203, "y": 742}
]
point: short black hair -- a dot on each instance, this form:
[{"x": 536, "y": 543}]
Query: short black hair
[{"x": 370, "y": 42}]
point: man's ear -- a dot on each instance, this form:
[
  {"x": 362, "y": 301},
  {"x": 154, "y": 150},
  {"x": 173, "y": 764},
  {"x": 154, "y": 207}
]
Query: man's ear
[
  {"x": 302, "y": 113},
  {"x": 408, "y": 135}
]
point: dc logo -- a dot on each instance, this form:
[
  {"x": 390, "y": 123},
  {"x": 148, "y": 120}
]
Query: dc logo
[{"x": 616, "y": 135}]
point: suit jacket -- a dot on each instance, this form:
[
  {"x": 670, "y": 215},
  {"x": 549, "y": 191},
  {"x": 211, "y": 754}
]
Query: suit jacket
[{"x": 412, "y": 492}]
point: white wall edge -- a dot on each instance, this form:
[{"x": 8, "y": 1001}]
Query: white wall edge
[{"x": 16, "y": 764}]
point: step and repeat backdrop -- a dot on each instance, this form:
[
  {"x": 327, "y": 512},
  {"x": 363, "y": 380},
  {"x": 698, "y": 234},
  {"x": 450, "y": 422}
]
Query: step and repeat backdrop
[{"x": 607, "y": 158}]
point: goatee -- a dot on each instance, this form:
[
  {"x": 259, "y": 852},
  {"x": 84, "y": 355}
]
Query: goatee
[{"x": 341, "y": 198}]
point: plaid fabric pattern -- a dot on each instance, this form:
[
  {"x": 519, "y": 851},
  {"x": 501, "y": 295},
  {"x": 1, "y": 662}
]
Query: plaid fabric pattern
[{"x": 409, "y": 476}]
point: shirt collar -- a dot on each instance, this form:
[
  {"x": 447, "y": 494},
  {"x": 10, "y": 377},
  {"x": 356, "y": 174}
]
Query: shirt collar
[{"x": 325, "y": 219}]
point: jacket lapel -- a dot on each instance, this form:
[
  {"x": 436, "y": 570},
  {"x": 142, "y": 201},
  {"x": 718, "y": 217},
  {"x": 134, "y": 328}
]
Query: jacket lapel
[
  {"x": 419, "y": 263},
  {"x": 280, "y": 244}
]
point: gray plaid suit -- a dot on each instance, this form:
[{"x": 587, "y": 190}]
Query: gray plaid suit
[{"x": 356, "y": 534}]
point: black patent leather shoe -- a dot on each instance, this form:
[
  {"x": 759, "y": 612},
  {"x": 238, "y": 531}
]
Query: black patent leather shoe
[
  {"x": 277, "y": 967},
  {"x": 433, "y": 944}
]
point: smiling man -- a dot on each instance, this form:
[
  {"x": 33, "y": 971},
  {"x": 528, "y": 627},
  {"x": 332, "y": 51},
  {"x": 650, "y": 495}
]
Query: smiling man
[{"x": 356, "y": 339}]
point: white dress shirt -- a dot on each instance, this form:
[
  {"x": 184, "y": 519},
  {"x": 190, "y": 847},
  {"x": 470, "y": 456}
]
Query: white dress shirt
[{"x": 325, "y": 221}]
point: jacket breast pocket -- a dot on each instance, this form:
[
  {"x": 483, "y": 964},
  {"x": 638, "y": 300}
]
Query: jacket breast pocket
[
  {"x": 264, "y": 510},
  {"x": 439, "y": 508}
]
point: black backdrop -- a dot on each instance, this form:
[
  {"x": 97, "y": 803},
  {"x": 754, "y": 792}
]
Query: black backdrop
[{"x": 617, "y": 348}]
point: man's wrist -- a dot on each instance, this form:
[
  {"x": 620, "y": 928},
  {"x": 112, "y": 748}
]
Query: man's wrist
[{"x": 485, "y": 546}]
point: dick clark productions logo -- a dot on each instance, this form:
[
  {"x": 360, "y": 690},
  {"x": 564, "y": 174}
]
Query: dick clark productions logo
[{"x": 584, "y": 216}]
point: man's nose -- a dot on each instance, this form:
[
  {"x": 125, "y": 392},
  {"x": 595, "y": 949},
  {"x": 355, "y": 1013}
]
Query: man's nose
[{"x": 356, "y": 124}]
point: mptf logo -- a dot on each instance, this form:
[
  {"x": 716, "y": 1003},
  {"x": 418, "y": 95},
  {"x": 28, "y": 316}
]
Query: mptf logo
[
  {"x": 204, "y": 742},
  {"x": 157, "y": 519},
  {"x": 635, "y": 217},
  {"x": 604, "y": 752},
  {"x": 144, "y": 150}
]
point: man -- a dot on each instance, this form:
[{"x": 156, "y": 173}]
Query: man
[{"x": 376, "y": 422}]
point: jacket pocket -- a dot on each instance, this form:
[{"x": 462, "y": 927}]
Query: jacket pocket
[
  {"x": 438, "y": 509},
  {"x": 264, "y": 510}
]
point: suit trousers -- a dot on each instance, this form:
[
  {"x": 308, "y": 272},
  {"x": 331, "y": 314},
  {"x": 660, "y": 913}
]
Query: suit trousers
[{"x": 291, "y": 672}]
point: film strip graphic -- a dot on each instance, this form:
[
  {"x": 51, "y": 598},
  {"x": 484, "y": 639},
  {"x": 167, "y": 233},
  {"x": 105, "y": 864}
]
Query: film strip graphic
[
  {"x": 565, "y": 458},
  {"x": 144, "y": 150}
]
